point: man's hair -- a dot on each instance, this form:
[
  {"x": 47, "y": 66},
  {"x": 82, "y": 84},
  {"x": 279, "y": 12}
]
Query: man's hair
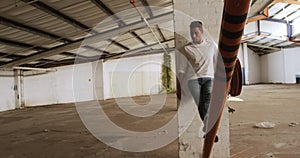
[{"x": 196, "y": 24}]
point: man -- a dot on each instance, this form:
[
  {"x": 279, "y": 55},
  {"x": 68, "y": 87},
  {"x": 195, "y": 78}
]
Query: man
[{"x": 202, "y": 55}]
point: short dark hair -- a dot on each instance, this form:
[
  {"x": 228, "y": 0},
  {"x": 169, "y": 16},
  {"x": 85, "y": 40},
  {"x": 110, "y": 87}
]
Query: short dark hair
[{"x": 196, "y": 24}]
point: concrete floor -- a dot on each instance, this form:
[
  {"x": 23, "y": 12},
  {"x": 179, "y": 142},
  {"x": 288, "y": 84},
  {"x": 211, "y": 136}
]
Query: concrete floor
[
  {"x": 279, "y": 104},
  {"x": 57, "y": 131}
]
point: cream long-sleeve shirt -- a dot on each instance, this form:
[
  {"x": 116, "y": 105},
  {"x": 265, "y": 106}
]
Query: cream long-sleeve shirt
[{"x": 202, "y": 58}]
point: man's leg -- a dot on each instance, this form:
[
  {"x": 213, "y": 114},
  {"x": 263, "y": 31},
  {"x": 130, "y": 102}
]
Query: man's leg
[
  {"x": 195, "y": 88},
  {"x": 206, "y": 88},
  {"x": 206, "y": 93}
]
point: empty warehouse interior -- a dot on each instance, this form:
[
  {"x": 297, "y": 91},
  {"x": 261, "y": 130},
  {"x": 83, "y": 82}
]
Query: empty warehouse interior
[{"x": 98, "y": 79}]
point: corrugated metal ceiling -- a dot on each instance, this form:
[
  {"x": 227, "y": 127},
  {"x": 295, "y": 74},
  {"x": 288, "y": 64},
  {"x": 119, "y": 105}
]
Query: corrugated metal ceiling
[
  {"x": 268, "y": 36},
  {"x": 48, "y": 33},
  {"x": 44, "y": 33}
]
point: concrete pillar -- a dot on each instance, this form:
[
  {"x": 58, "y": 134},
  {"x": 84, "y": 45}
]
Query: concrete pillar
[
  {"x": 246, "y": 63},
  {"x": 98, "y": 80},
  {"x": 190, "y": 139},
  {"x": 19, "y": 89}
]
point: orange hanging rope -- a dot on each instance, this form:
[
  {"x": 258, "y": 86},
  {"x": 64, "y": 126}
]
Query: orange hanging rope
[{"x": 233, "y": 22}]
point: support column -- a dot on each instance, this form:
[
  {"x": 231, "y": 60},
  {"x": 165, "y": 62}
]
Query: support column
[
  {"x": 98, "y": 80},
  {"x": 246, "y": 63},
  {"x": 19, "y": 89},
  {"x": 210, "y": 14}
]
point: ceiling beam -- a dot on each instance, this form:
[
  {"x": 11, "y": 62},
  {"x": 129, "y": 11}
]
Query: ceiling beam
[
  {"x": 70, "y": 62},
  {"x": 137, "y": 50},
  {"x": 141, "y": 53},
  {"x": 20, "y": 44},
  {"x": 259, "y": 6},
  {"x": 149, "y": 11},
  {"x": 109, "y": 12},
  {"x": 160, "y": 32},
  {"x": 259, "y": 10},
  {"x": 96, "y": 50},
  {"x": 281, "y": 10},
  {"x": 118, "y": 44},
  {"x": 44, "y": 7},
  {"x": 2, "y": 62},
  {"x": 287, "y": 1},
  {"x": 263, "y": 46},
  {"x": 33, "y": 30},
  {"x": 139, "y": 38},
  {"x": 15, "y": 57},
  {"x": 19, "y": 26},
  {"x": 257, "y": 41},
  {"x": 71, "y": 55},
  {"x": 65, "y": 62},
  {"x": 92, "y": 39},
  {"x": 10, "y": 56},
  {"x": 33, "y": 47},
  {"x": 263, "y": 15},
  {"x": 292, "y": 14}
]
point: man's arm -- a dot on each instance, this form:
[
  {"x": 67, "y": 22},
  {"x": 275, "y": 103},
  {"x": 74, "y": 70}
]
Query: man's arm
[{"x": 182, "y": 70}]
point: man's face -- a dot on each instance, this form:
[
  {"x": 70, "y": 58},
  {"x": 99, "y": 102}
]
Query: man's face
[{"x": 196, "y": 34}]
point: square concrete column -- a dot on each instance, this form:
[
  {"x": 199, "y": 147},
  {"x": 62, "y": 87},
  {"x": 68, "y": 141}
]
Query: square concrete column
[
  {"x": 191, "y": 136},
  {"x": 19, "y": 89},
  {"x": 97, "y": 68}
]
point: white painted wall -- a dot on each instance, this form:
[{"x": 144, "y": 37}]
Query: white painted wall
[
  {"x": 278, "y": 67},
  {"x": 240, "y": 55},
  {"x": 254, "y": 68},
  {"x": 296, "y": 28},
  {"x": 83, "y": 82},
  {"x": 245, "y": 63},
  {"x": 276, "y": 29},
  {"x": 292, "y": 64},
  {"x": 40, "y": 89},
  {"x": 251, "y": 28},
  {"x": 64, "y": 84},
  {"x": 134, "y": 76},
  {"x": 273, "y": 68},
  {"x": 7, "y": 94},
  {"x": 281, "y": 67},
  {"x": 67, "y": 84}
]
